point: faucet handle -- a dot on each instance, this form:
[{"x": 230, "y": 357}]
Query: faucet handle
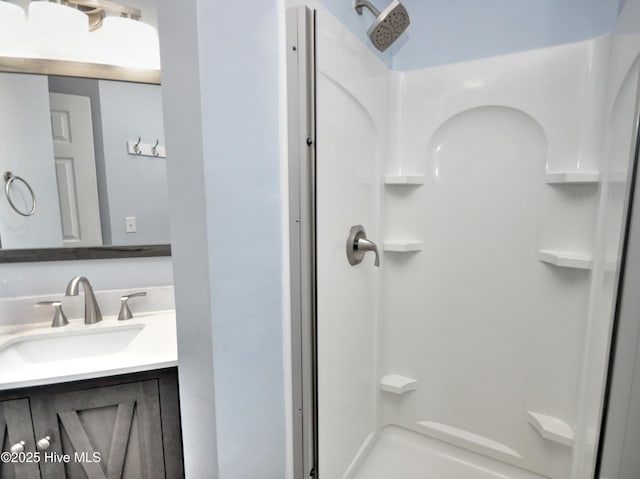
[
  {"x": 358, "y": 245},
  {"x": 59, "y": 318},
  {"x": 125, "y": 312}
]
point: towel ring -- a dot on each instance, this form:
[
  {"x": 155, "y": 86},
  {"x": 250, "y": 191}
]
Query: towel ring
[{"x": 10, "y": 178}]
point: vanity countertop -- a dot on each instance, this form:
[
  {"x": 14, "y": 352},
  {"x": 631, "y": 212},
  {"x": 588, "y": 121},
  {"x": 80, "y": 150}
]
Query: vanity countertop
[{"x": 38, "y": 354}]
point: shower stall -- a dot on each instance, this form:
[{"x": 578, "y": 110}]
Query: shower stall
[{"x": 495, "y": 194}]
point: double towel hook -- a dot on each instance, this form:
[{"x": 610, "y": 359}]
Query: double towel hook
[
  {"x": 140, "y": 148},
  {"x": 9, "y": 178}
]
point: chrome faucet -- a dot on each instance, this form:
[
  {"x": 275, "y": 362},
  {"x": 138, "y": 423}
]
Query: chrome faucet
[{"x": 92, "y": 312}]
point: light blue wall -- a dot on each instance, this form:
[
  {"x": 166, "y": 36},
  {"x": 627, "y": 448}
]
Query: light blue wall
[
  {"x": 221, "y": 101},
  {"x": 448, "y": 31},
  {"x": 240, "y": 115},
  {"x": 51, "y": 277},
  {"x": 135, "y": 185}
]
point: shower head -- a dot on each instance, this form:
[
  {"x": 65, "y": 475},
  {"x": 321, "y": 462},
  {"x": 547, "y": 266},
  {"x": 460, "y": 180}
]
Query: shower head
[{"x": 389, "y": 24}]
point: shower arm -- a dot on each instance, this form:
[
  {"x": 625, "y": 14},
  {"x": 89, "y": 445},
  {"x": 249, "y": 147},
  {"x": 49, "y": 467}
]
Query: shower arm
[{"x": 365, "y": 3}]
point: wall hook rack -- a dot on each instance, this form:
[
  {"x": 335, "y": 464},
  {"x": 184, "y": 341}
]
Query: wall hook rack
[{"x": 138, "y": 148}]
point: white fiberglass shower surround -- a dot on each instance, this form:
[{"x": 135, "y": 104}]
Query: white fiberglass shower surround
[{"x": 496, "y": 191}]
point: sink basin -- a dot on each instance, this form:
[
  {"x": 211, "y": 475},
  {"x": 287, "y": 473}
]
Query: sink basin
[
  {"x": 59, "y": 345},
  {"x": 36, "y": 354}
]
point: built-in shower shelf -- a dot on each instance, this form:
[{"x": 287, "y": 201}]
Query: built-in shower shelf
[
  {"x": 551, "y": 428},
  {"x": 572, "y": 177},
  {"x": 565, "y": 259},
  {"x": 468, "y": 440},
  {"x": 402, "y": 246},
  {"x": 394, "y": 383},
  {"x": 407, "y": 180}
]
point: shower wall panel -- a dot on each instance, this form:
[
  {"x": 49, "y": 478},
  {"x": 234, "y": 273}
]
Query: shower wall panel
[
  {"x": 350, "y": 141},
  {"x": 493, "y": 335},
  {"x": 497, "y": 197}
]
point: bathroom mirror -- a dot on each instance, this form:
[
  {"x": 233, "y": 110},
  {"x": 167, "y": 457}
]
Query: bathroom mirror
[
  {"x": 83, "y": 160},
  {"x": 67, "y": 143}
]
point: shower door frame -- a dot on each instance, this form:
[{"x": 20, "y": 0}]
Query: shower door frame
[
  {"x": 622, "y": 314},
  {"x": 301, "y": 114}
]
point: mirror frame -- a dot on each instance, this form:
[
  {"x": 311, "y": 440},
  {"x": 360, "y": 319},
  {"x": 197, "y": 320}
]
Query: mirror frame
[
  {"x": 97, "y": 252},
  {"x": 77, "y": 69},
  {"x": 83, "y": 70}
]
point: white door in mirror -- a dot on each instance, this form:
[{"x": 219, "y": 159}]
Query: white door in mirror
[{"x": 75, "y": 169}]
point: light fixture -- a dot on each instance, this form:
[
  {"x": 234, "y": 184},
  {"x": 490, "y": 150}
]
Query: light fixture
[
  {"x": 12, "y": 30},
  {"x": 126, "y": 42},
  {"x": 60, "y": 30},
  {"x": 96, "y": 10},
  {"x": 57, "y": 31}
]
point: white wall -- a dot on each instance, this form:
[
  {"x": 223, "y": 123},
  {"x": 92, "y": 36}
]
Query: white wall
[{"x": 221, "y": 98}]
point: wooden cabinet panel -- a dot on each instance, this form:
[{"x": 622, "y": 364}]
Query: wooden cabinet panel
[
  {"x": 171, "y": 426},
  {"x": 112, "y": 432},
  {"x": 15, "y": 426},
  {"x": 120, "y": 427}
]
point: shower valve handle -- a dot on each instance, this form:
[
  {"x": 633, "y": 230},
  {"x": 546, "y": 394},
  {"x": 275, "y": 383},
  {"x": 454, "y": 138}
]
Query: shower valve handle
[{"x": 358, "y": 245}]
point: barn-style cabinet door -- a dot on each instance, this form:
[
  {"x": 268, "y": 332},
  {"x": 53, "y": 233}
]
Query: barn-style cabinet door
[
  {"x": 112, "y": 432},
  {"x": 16, "y": 433}
]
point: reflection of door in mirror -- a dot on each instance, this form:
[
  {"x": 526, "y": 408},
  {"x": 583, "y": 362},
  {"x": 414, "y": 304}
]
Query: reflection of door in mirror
[{"x": 75, "y": 164}]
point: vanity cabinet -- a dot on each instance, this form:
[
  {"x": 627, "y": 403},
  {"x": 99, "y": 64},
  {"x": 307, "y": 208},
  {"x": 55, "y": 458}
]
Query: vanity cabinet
[
  {"x": 15, "y": 427},
  {"x": 124, "y": 427}
]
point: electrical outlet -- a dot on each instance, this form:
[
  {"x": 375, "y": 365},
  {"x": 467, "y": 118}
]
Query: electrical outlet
[{"x": 130, "y": 224}]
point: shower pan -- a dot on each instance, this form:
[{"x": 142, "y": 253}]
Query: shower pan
[{"x": 493, "y": 196}]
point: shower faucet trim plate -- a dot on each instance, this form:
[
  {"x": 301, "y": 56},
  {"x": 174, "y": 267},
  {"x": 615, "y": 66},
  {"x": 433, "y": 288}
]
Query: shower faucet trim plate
[{"x": 358, "y": 245}]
